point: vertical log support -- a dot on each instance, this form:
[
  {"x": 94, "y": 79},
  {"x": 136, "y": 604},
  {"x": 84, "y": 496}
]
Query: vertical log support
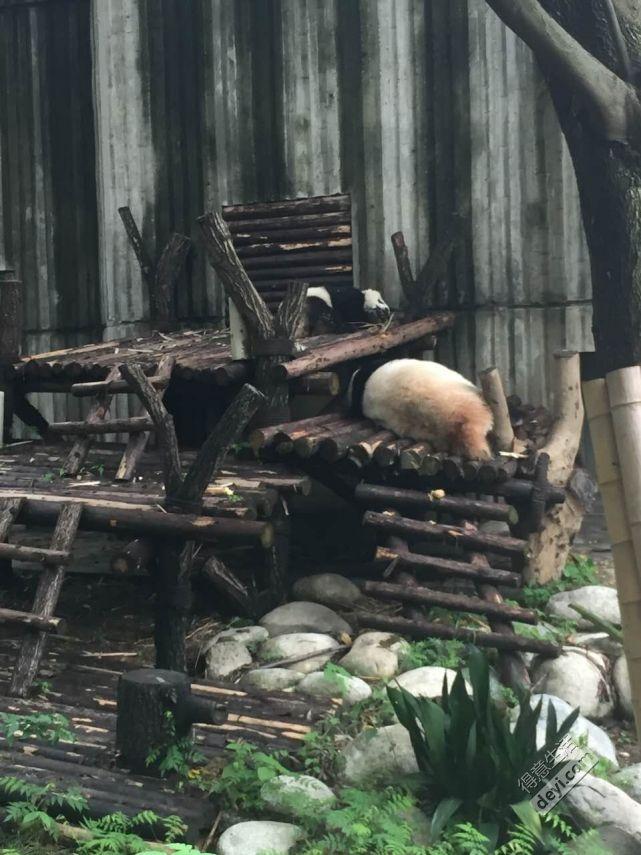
[
  {"x": 173, "y": 557},
  {"x": 550, "y": 546},
  {"x": 494, "y": 394},
  {"x": 271, "y": 339},
  {"x": 626, "y": 560},
  {"x": 11, "y": 328}
]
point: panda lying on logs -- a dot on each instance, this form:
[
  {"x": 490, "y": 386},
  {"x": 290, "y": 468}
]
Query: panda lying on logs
[
  {"x": 332, "y": 308},
  {"x": 424, "y": 401}
]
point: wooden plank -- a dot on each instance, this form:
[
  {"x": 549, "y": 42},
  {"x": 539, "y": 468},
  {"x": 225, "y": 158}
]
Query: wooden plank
[
  {"x": 288, "y": 207},
  {"x": 28, "y": 620},
  {"x": 80, "y": 449},
  {"x": 45, "y": 601}
]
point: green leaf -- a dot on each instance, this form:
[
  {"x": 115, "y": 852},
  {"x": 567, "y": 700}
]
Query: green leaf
[{"x": 444, "y": 812}]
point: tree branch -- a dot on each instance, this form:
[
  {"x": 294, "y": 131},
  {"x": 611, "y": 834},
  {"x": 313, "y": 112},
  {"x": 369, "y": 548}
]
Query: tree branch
[{"x": 613, "y": 103}]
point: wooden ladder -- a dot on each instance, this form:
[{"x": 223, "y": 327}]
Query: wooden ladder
[
  {"x": 139, "y": 428},
  {"x": 40, "y": 620}
]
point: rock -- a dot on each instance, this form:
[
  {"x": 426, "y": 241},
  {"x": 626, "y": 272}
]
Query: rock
[
  {"x": 579, "y": 679},
  {"x": 247, "y": 635},
  {"x": 375, "y": 655},
  {"x": 272, "y": 679},
  {"x": 621, "y": 679},
  {"x": 296, "y": 644},
  {"x": 304, "y": 617},
  {"x": 330, "y": 589},
  {"x": 597, "y": 739},
  {"x": 599, "y": 642},
  {"x": 595, "y": 803},
  {"x": 371, "y": 661},
  {"x": 598, "y": 599},
  {"x": 496, "y": 527},
  {"x": 629, "y": 780},
  {"x": 379, "y": 756},
  {"x": 296, "y": 795},
  {"x": 426, "y": 682},
  {"x": 351, "y": 690},
  {"x": 225, "y": 658},
  {"x": 257, "y": 838}
]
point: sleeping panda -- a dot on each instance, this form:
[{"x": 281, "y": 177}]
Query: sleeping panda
[
  {"x": 424, "y": 401},
  {"x": 334, "y": 308}
]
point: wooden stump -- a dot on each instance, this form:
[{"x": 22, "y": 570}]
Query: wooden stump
[{"x": 145, "y": 696}]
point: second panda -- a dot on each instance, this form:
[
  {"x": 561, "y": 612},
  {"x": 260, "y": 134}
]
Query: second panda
[
  {"x": 332, "y": 309},
  {"x": 424, "y": 401}
]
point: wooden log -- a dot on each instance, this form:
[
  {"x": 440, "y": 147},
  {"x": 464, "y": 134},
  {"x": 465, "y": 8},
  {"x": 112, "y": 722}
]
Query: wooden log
[
  {"x": 404, "y": 266},
  {"x": 88, "y": 390},
  {"x": 307, "y": 445},
  {"x": 229, "y": 585},
  {"x": 549, "y": 548},
  {"x": 264, "y": 436},
  {"x": 452, "y": 602},
  {"x": 289, "y": 225},
  {"x": 436, "y": 267},
  {"x": 145, "y": 696},
  {"x": 41, "y": 509},
  {"x": 45, "y": 601},
  {"x": 230, "y": 373},
  {"x": 28, "y": 620},
  {"x": 134, "y": 424},
  {"x": 32, "y": 554},
  {"x": 136, "y": 445},
  {"x": 520, "y": 491},
  {"x": 432, "y": 464},
  {"x": 453, "y": 468},
  {"x": 137, "y": 555},
  {"x": 289, "y": 207},
  {"x": 322, "y": 247},
  {"x": 412, "y": 457},
  {"x": 497, "y": 470},
  {"x": 336, "y": 447},
  {"x": 9, "y": 510},
  {"x": 346, "y": 350},
  {"x": 512, "y": 669},
  {"x": 415, "y": 530},
  {"x": 425, "y": 629},
  {"x": 628, "y": 579},
  {"x": 163, "y": 424},
  {"x": 97, "y": 414},
  {"x": 215, "y": 448},
  {"x": 388, "y": 453},
  {"x": 245, "y": 238},
  {"x": 137, "y": 244},
  {"x": 494, "y": 394},
  {"x": 397, "y": 497},
  {"x": 434, "y": 565},
  {"x": 324, "y": 383},
  {"x": 363, "y": 452},
  {"x": 11, "y": 317},
  {"x": 162, "y": 298}
]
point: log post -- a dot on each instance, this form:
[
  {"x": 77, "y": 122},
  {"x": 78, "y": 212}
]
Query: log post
[
  {"x": 626, "y": 562},
  {"x": 173, "y": 557},
  {"x": 11, "y": 324},
  {"x": 145, "y": 697},
  {"x": 549, "y": 547},
  {"x": 492, "y": 387},
  {"x": 271, "y": 339}
]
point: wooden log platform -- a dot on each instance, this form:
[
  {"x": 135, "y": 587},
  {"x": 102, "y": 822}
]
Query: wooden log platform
[{"x": 82, "y": 686}]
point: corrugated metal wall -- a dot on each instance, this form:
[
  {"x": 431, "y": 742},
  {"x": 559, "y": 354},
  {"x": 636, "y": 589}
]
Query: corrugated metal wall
[{"x": 416, "y": 107}]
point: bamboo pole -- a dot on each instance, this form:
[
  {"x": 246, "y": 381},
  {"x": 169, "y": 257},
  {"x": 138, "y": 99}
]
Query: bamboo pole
[{"x": 607, "y": 417}]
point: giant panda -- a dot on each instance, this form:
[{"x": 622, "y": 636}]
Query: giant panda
[
  {"x": 334, "y": 308},
  {"x": 424, "y": 401}
]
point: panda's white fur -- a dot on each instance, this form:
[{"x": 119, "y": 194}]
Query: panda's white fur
[
  {"x": 320, "y": 293},
  {"x": 427, "y": 401}
]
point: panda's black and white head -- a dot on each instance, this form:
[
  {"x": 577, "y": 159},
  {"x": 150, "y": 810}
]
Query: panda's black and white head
[{"x": 352, "y": 306}]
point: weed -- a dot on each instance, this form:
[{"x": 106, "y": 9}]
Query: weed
[
  {"x": 577, "y": 573},
  {"x": 434, "y": 651},
  {"x": 175, "y": 755},
  {"x": 51, "y": 727},
  {"x": 240, "y": 782}
]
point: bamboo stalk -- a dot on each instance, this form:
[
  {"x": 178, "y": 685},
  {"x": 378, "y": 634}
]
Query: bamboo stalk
[{"x": 611, "y": 477}]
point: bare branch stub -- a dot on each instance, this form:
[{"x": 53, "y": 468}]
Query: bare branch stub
[{"x": 137, "y": 243}]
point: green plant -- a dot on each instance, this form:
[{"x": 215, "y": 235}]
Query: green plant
[
  {"x": 578, "y": 572},
  {"x": 462, "y": 839},
  {"x": 364, "y": 823},
  {"x": 51, "y": 727},
  {"x": 240, "y": 782},
  {"x": 471, "y": 759},
  {"x": 114, "y": 834},
  {"x": 434, "y": 651},
  {"x": 174, "y": 755}
]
